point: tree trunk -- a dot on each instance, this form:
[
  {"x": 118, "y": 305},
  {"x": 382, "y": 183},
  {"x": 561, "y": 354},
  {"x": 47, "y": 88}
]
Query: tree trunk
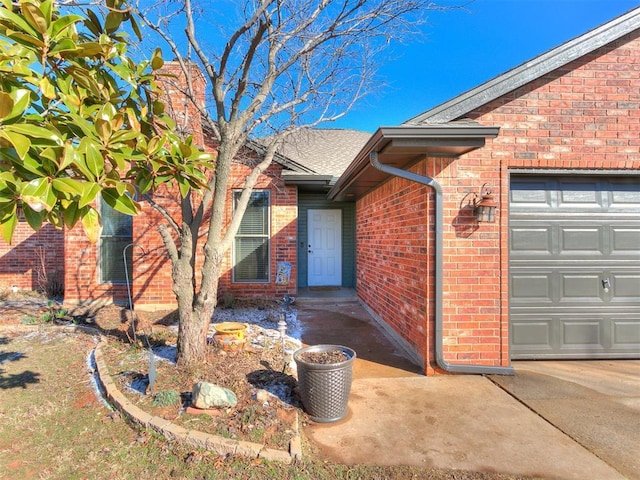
[{"x": 195, "y": 318}]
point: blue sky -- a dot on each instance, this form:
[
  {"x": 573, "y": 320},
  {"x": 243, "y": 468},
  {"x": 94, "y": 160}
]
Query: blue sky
[{"x": 464, "y": 48}]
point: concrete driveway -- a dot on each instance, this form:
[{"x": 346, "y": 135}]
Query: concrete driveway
[
  {"x": 595, "y": 403},
  {"x": 554, "y": 420}
]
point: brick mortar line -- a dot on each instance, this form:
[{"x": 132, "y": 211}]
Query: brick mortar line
[{"x": 215, "y": 443}]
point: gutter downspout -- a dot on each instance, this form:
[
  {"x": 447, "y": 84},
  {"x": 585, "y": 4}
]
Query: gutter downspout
[{"x": 439, "y": 222}]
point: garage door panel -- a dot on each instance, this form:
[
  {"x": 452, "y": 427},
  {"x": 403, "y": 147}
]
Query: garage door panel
[
  {"x": 625, "y": 194},
  {"x": 582, "y": 334},
  {"x": 581, "y": 287},
  {"x": 534, "y": 195},
  {"x": 626, "y": 334},
  {"x": 531, "y": 240},
  {"x": 626, "y": 286},
  {"x": 530, "y": 287},
  {"x": 533, "y": 334},
  {"x": 574, "y": 264},
  {"x": 625, "y": 239},
  {"x": 582, "y": 194},
  {"x": 586, "y": 239}
]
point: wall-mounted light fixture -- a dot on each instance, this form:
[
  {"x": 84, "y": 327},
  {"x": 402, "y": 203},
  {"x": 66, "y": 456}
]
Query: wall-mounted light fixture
[{"x": 484, "y": 207}]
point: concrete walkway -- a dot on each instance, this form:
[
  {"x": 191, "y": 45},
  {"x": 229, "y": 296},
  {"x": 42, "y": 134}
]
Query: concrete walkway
[{"x": 399, "y": 417}]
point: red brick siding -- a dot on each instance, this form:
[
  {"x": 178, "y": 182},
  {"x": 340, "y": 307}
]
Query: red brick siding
[
  {"x": 82, "y": 272},
  {"x": 152, "y": 282},
  {"x": 392, "y": 254},
  {"x": 284, "y": 215},
  {"x": 585, "y": 115},
  {"x": 185, "y": 114},
  {"x": 32, "y": 257}
]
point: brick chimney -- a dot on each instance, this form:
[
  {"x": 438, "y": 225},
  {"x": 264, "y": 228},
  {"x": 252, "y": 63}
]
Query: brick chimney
[{"x": 181, "y": 109}]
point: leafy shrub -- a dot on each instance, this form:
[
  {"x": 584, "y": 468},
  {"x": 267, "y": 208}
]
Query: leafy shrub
[{"x": 166, "y": 398}]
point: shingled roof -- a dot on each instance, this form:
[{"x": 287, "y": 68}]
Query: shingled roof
[
  {"x": 461, "y": 105},
  {"x": 325, "y": 151}
]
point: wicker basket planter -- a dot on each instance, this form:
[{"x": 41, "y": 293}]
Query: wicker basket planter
[{"x": 325, "y": 387}]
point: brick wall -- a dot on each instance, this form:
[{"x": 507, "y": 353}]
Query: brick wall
[
  {"x": 391, "y": 256},
  {"x": 151, "y": 275},
  {"x": 152, "y": 270},
  {"x": 584, "y": 116},
  {"x": 33, "y": 258}
]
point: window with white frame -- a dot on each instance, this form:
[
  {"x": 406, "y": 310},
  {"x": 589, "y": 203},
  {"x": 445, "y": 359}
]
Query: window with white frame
[
  {"x": 117, "y": 233},
  {"x": 251, "y": 252}
]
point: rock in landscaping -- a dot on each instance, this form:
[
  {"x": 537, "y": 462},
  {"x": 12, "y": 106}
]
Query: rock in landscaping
[{"x": 207, "y": 395}]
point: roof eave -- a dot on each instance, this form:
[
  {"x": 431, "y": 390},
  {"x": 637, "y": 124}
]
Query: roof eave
[
  {"x": 309, "y": 183},
  {"x": 531, "y": 70},
  {"x": 402, "y": 146}
]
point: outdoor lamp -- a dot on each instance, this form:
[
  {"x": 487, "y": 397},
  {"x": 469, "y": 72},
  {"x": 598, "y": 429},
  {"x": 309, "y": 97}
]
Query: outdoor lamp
[{"x": 484, "y": 207}]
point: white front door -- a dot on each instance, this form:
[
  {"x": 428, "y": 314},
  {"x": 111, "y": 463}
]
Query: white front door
[{"x": 324, "y": 248}]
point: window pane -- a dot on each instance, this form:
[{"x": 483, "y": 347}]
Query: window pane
[
  {"x": 251, "y": 246},
  {"x": 111, "y": 261},
  {"x": 256, "y": 218},
  {"x": 115, "y": 223},
  {"x": 117, "y": 233},
  {"x": 252, "y": 259}
]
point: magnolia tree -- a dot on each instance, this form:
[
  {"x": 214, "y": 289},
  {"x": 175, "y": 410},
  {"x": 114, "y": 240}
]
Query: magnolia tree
[{"x": 78, "y": 118}]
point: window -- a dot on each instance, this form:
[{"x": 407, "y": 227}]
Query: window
[
  {"x": 117, "y": 233},
  {"x": 251, "y": 244}
]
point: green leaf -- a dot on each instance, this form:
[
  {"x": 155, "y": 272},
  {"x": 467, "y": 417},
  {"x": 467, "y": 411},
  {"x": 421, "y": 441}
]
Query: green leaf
[
  {"x": 35, "y": 132},
  {"x": 144, "y": 181},
  {"x": 107, "y": 112},
  {"x": 39, "y": 195},
  {"x": 33, "y": 218},
  {"x": 46, "y": 7},
  {"x": 135, "y": 27},
  {"x": 93, "y": 158},
  {"x": 82, "y": 75},
  {"x": 64, "y": 45},
  {"x": 19, "y": 142},
  {"x": 184, "y": 186},
  {"x": 124, "y": 135},
  {"x": 35, "y": 17},
  {"x": 91, "y": 224},
  {"x": 47, "y": 89},
  {"x": 113, "y": 21},
  {"x": 89, "y": 193},
  {"x": 21, "y": 100},
  {"x": 26, "y": 39},
  {"x": 68, "y": 185},
  {"x": 8, "y": 225},
  {"x": 103, "y": 128},
  {"x": 71, "y": 214},
  {"x": 6, "y": 105},
  {"x": 59, "y": 27},
  {"x": 93, "y": 23},
  {"x": 31, "y": 165},
  {"x": 16, "y": 21},
  {"x": 156, "y": 59},
  {"x": 121, "y": 203},
  {"x": 68, "y": 156}
]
